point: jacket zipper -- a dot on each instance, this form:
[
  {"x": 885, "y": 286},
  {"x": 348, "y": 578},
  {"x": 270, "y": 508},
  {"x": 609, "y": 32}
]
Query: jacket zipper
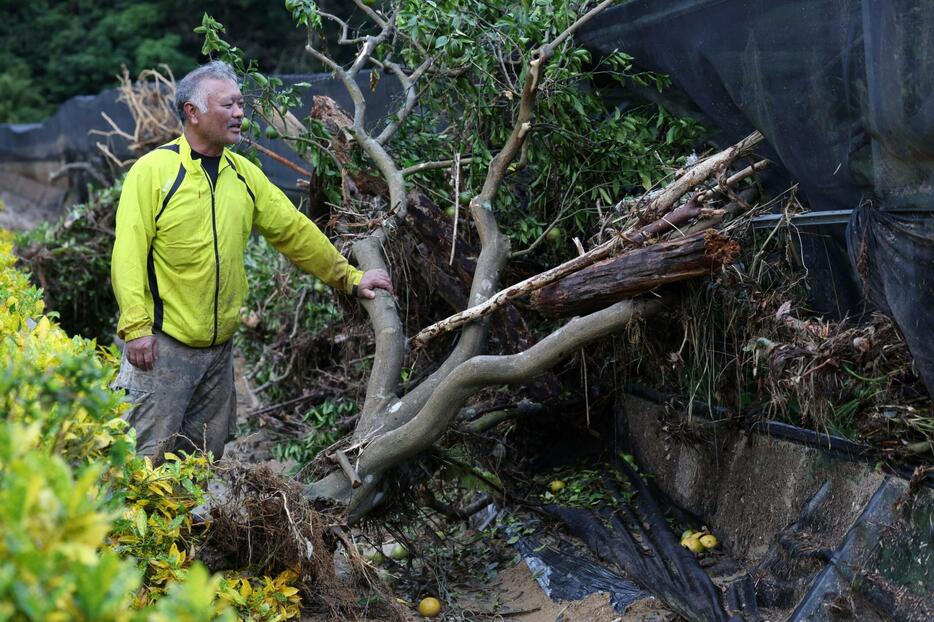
[{"x": 217, "y": 258}]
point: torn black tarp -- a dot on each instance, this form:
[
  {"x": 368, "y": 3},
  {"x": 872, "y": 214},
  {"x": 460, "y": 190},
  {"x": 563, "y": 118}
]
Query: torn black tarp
[
  {"x": 884, "y": 569},
  {"x": 565, "y": 575},
  {"x": 843, "y": 91},
  {"x": 637, "y": 538}
]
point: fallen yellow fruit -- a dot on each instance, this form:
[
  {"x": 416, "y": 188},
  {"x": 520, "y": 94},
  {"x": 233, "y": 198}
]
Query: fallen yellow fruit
[
  {"x": 429, "y": 607},
  {"x": 687, "y": 534},
  {"x": 709, "y": 541},
  {"x": 556, "y": 486},
  {"x": 693, "y": 544}
]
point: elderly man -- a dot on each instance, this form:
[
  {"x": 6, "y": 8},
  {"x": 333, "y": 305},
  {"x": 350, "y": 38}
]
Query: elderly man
[{"x": 183, "y": 222}]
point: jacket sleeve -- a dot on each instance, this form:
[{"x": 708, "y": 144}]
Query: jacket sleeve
[
  {"x": 134, "y": 232},
  {"x": 294, "y": 235}
]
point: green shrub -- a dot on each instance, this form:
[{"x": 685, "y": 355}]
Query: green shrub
[{"x": 90, "y": 531}]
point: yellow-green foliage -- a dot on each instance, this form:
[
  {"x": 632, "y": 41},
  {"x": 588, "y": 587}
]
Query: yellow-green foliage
[
  {"x": 70, "y": 484},
  {"x": 266, "y": 600},
  {"x": 89, "y": 530}
]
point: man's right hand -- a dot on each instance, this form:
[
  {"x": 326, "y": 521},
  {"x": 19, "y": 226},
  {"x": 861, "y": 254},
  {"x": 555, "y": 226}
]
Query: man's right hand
[{"x": 142, "y": 352}]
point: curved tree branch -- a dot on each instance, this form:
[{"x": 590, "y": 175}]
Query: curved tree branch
[
  {"x": 408, "y": 87},
  {"x": 417, "y": 435},
  {"x": 389, "y": 353}
]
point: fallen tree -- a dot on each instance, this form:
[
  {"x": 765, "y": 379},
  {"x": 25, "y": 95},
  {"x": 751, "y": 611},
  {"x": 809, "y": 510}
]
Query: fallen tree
[{"x": 395, "y": 426}]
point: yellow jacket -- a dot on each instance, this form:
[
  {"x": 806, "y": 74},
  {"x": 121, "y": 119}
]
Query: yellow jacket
[{"x": 177, "y": 264}]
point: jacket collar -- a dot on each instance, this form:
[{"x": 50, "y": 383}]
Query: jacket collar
[{"x": 184, "y": 151}]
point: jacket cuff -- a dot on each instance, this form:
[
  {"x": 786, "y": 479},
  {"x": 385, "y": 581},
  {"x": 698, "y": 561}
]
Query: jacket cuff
[
  {"x": 136, "y": 334},
  {"x": 353, "y": 281}
]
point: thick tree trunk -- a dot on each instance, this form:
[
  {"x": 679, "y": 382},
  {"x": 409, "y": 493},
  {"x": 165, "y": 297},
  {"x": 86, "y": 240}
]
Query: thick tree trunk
[{"x": 635, "y": 272}]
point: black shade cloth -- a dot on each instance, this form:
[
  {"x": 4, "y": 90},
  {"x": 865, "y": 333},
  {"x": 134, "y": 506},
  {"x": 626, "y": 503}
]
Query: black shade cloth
[{"x": 894, "y": 255}]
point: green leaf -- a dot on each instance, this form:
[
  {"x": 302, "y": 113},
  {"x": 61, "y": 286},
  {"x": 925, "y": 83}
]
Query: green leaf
[{"x": 141, "y": 521}]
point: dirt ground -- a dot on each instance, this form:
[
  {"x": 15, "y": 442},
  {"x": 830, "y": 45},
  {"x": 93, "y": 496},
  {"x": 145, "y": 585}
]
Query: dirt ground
[{"x": 515, "y": 595}]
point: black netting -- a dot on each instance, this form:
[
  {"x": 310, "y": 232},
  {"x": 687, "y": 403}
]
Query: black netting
[{"x": 842, "y": 91}]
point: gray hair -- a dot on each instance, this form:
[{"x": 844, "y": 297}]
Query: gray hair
[{"x": 189, "y": 88}]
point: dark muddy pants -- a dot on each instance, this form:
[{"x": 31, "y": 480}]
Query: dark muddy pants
[{"x": 187, "y": 401}]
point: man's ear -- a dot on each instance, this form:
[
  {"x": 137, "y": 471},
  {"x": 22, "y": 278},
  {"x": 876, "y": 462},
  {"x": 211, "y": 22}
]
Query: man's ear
[{"x": 190, "y": 112}]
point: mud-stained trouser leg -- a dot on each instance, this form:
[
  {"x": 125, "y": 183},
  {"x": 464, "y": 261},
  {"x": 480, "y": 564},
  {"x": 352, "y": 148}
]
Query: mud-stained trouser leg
[{"x": 186, "y": 401}]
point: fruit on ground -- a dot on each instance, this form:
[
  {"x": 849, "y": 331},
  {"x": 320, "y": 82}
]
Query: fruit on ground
[
  {"x": 708, "y": 540},
  {"x": 429, "y": 607},
  {"x": 693, "y": 544},
  {"x": 399, "y": 552},
  {"x": 556, "y": 486},
  {"x": 687, "y": 534}
]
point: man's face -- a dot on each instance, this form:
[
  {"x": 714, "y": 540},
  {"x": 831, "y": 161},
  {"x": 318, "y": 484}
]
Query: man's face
[{"x": 219, "y": 125}]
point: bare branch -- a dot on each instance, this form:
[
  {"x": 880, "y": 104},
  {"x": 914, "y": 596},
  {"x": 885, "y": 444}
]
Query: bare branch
[
  {"x": 368, "y": 47},
  {"x": 345, "y": 28},
  {"x": 389, "y": 354},
  {"x": 732, "y": 179},
  {"x": 373, "y": 15},
  {"x": 459, "y": 513},
  {"x": 701, "y": 171},
  {"x": 429, "y": 166},
  {"x": 408, "y": 86},
  {"x": 278, "y": 158},
  {"x": 324, "y": 59},
  {"x": 382, "y": 159},
  {"x": 580, "y": 22},
  {"x": 481, "y": 206},
  {"x": 521, "y": 288}
]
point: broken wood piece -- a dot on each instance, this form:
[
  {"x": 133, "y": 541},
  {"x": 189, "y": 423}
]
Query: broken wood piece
[
  {"x": 732, "y": 179},
  {"x": 341, "y": 459},
  {"x": 635, "y": 272}
]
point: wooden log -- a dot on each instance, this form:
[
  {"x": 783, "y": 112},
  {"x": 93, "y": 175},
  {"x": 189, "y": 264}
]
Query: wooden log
[{"x": 635, "y": 272}]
